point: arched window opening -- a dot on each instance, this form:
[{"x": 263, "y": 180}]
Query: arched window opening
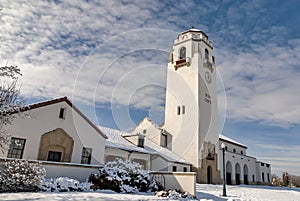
[
  {"x": 237, "y": 174},
  {"x": 182, "y": 53},
  {"x": 228, "y": 173},
  {"x": 245, "y": 170},
  {"x": 206, "y": 54}
]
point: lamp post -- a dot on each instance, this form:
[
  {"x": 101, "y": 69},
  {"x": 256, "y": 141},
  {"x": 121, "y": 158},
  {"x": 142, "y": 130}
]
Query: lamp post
[{"x": 224, "y": 178}]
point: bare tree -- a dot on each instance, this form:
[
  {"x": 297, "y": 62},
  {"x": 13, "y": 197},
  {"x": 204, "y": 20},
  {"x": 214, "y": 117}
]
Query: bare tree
[{"x": 10, "y": 100}]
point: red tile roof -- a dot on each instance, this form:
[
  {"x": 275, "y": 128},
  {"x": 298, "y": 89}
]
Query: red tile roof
[{"x": 58, "y": 100}]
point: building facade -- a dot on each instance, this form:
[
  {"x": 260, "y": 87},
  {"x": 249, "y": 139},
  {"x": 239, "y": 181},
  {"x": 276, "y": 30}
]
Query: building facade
[
  {"x": 188, "y": 140},
  {"x": 191, "y": 129},
  {"x": 56, "y": 131}
]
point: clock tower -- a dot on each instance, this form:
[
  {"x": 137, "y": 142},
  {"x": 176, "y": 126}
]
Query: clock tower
[{"x": 191, "y": 114}]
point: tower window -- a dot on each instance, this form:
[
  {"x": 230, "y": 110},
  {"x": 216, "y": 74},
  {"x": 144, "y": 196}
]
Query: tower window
[
  {"x": 182, "y": 53},
  {"x": 206, "y": 54},
  {"x": 164, "y": 140},
  {"x": 178, "y": 110},
  {"x": 62, "y": 113},
  {"x": 183, "y": 109},
  {"x": 174, "y": 168},
  {"x": 234, "y": 150}
]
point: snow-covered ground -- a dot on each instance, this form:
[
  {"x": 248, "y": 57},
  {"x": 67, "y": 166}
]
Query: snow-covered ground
[{"x": 204, "y": 192}]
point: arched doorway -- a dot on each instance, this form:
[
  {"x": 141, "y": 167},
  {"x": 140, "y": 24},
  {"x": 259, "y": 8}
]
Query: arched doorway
[
  {"x": 237, "y": 174},
  {"x": 228, "y": 173},
  {"x": 245, "y": 170},
  {"x": 56, "y": 145},
  {"x": 209, "y": 175}
]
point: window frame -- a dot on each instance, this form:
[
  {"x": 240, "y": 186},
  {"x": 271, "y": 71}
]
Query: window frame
[
  {"x": 15, "y": 152},
  {"x": 206, "y": 56},
  {"x": 62, "y": 113},
  {"x": 86, "y": 155},
  {"x": 165, "y": 137},
  {"x": 141, "y": 141},
  {"x": 178, "y": 110},
  {"x": 54, "y": 153},
  {"x": 182, "y": 53}
]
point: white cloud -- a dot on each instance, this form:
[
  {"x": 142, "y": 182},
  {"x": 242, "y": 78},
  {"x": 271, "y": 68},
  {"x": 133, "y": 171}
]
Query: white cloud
[{"x": 261, "y": 83}]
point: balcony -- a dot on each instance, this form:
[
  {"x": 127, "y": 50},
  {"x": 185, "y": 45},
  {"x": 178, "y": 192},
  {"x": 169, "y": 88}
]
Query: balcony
[{"x": 182, "y": 62}]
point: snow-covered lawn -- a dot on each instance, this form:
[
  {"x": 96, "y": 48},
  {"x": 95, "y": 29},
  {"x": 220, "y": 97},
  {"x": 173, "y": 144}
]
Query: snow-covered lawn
[
  {"x": 247, "y": 192},
  {"x": 204, "y": 192}
]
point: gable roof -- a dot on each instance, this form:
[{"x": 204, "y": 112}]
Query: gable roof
[
  {"x": 116, "y": 140},
  {"x": 58, "y": 100},
  {"x": 227, "y": 139}
]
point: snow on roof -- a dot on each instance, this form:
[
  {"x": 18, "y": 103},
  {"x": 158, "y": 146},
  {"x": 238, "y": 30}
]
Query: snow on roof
[
  {"x": 164, "y": 152},
  {"x": 116, "y": 140},
  {"x": 223, "y": 137}
]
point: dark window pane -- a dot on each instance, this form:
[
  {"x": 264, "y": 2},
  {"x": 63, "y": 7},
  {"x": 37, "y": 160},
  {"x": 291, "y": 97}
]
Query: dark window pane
[
  {"x": 86, "y": 155},
  {"x": 16, "y": 148}
]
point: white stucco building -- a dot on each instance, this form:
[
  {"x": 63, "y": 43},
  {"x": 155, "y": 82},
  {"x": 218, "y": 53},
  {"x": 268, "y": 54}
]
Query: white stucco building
[
  {"x": 189, "y": 140},
  {"x": 191, "y": 117}
]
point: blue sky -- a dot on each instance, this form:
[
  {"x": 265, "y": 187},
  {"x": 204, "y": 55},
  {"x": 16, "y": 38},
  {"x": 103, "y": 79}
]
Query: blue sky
[{"x": 110, "y": 58}]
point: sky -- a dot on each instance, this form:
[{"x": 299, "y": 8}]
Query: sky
[{"x": 110, "y": 58}]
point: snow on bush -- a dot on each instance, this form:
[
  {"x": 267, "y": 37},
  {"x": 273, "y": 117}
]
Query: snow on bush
[
  {"x": 64, "y": 184},
  {"x": 123, "y": 176},
  {"x": 20, "y": 175},
  {"x": 173, "y": 194}
]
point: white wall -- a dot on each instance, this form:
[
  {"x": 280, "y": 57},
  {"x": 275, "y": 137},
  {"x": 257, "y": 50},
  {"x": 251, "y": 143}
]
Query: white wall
[
  {"x": 254, "y": 167},
  {"x": 128, "y": 156},
  {"x": 184, "y": 181},
  {"x": 45, "y": 119},
  {"x": 80, "y": 172},
  {"x": 236, "y": 158},
  {"x": 152, "y": 132},
  {"x": 160, "y": 164},
  {"x": 186, "y": 87},
  {"x": 262, "y": 168}
]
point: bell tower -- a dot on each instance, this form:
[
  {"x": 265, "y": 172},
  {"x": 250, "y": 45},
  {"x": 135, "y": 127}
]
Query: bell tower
[{"x": 191, "y": 114}]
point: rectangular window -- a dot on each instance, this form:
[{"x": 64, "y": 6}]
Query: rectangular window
[
  {"x": 141, "y": 141},
  {"x": 178, "y": 110},
  {"x": 184, "y": 169},
  {"x": 263, "y": 177},
  {"x": 174, "y": 168},
  {"x": 54, "y": 156},
  {"x": 62, "y": 113},
  {"x": 86, "y": 155},
  {"x": 268, "y": 176},
  {"x": 164, "y": 140},
  {"x": 16, "y": 148},
  {"x": 183, "y": 109},
  {"x": 253, "y": 178},
  {"x": 262, "y": 164}
]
